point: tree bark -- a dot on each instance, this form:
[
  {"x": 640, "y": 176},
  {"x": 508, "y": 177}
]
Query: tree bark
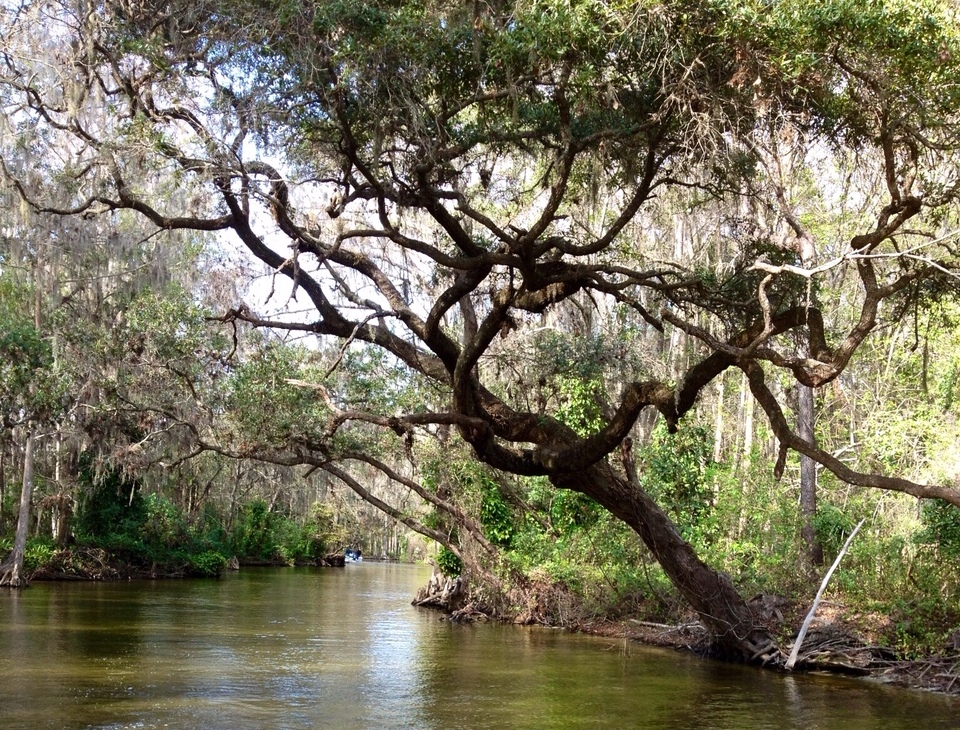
[
  {"x": 3, "y": 481},
  {"x": 808, "y": 477},
  {"x": 11, "y": 571},
  {"x": 746, "y": 413},
  {"x": 718, "y": 423},
  {"x": 737, "y": 630}
]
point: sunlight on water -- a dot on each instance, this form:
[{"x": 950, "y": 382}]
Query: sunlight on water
[{"x": 343, "y": 649}]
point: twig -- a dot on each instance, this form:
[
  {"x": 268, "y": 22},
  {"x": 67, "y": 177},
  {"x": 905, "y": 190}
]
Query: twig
[{"x": 665, "y": 627}]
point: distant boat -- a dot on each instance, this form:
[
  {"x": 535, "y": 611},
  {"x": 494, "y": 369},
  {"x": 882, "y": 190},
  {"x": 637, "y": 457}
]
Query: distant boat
[{"x": 352, "y": 556}]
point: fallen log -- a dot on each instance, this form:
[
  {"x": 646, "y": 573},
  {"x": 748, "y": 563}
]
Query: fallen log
[{"x": 816, "y": 601}]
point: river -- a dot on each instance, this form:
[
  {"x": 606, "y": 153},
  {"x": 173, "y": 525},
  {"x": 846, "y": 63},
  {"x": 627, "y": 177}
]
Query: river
[{"x": 343, "y": 649}]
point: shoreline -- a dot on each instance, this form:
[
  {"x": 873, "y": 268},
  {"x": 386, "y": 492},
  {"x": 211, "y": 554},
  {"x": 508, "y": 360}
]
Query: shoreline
[
  {"x": 829, "y": 648},
  {"x": 840, "y": 641}
]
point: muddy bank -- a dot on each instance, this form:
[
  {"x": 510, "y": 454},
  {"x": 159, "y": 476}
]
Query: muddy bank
[
  {"x": 834, "y": 644},
  {"x": 839, "y": 641},
  {"x": 88, "y": 563}
]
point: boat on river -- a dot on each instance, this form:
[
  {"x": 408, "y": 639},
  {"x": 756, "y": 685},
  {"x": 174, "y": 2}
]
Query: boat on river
[{"x": 352, "y": 556}]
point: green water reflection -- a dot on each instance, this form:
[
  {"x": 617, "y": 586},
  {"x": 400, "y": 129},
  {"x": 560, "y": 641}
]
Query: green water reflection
[{"x": 343, "y": 649}]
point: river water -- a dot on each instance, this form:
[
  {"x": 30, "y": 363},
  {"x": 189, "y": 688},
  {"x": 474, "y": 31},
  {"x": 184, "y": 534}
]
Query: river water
[{"x": 343, "y": 649}]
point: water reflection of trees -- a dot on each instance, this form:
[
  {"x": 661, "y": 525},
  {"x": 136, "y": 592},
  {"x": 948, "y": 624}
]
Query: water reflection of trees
[{"x": 517, "y": 677}]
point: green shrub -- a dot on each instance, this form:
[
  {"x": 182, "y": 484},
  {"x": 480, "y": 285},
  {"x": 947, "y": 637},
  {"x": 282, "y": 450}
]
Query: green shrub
[
  {"x": 145, "y": 530},
  {"x": 111, "y": 510},
  {"x": 315, "y": 538},
  {"x": 832, "y": 527},
  {"x": 262, "y": 535},
  {"x": 37, "y": 554},
  {"x": 675, "y": 474},
  {"x": 496, "y": 517},
  {"x": 254, "y": 537},
  {"x": 572, "y": 511},
  {"x": 941, "y": 526},
  {"x": 208, "y": 563},
  {"x": 208, "y": 532},
  {"x": 163, "y": 528},
  {"x": 450, "y": 565}
]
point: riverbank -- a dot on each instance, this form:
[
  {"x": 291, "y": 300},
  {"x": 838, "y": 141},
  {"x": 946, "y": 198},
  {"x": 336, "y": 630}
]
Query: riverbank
[
  {"x": 98, "y": 564},
  {"x": 914, "y": 648},
  {"x": 840, "y": 639},
  {"x": 838, "y": 642},
  {"x": 94, "y": 563}
]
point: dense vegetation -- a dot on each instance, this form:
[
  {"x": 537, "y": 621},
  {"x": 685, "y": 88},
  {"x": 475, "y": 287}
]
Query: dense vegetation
[
  {"x": 118, "y": 531},
  {"x": 527, "y": 271}
]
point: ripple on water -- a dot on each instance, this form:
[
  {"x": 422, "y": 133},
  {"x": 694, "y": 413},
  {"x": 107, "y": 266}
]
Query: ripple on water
[{"x": 344, "y": 650}]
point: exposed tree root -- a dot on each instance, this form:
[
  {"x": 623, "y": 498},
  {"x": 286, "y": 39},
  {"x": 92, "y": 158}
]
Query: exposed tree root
[
  {"x": 11, "y": 577},
  {"x": 441, "y": 592}
]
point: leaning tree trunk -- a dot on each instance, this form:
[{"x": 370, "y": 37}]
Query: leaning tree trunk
[
  {"x": 734, "y": 624},
  {"x": 11, "y": 571}
]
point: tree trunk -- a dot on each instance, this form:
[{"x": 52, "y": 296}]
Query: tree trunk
[
  {"x": 11, "y": 571},
  {"x": 747, "y": 404},
  {"x": 737, "y": 631},
  {"x": 718, "y": 423},
  {"x": 808, "y": 477},
  {"x": 3, "y": 482}
]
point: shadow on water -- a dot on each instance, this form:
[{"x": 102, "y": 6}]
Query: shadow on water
[
  {"x": 489, "y": 678},
  {"x": 343, "y": 649}
]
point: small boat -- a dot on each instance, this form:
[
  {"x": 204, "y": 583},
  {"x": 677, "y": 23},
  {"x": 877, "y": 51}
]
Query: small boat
[{"x": 352, "y": 556}]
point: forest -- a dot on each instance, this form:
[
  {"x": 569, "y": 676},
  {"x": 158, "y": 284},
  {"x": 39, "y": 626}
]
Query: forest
[{"x": 613, "y": 310}]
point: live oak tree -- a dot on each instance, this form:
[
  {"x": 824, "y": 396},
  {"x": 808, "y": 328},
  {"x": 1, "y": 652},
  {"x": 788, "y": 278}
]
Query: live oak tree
[{"x": 435, "y": 178}]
